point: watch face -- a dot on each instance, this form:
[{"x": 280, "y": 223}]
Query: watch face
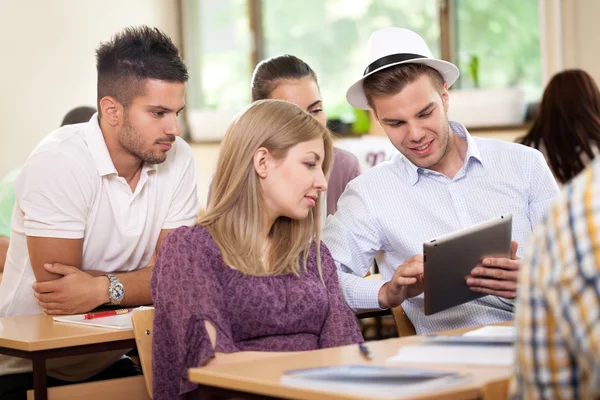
[{"x": 117, "y": 292}]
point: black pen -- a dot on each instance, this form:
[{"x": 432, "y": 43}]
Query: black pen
[{"x": 364, "y": 350}]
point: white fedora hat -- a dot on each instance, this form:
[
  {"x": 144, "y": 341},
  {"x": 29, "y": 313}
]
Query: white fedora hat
[{"x": 393, "y": 46}]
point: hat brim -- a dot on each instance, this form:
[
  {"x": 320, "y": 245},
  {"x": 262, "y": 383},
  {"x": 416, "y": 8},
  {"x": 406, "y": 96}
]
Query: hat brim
[{"x": 356, "y": 95}]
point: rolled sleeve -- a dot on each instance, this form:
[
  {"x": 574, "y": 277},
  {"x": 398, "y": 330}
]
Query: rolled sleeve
[
  {"x": 53, "y": 193},
  {"x": 360, "y": 294}
]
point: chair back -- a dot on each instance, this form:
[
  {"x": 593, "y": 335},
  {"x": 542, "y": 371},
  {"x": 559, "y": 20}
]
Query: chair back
[
  {"x": 403, "y": 324},
  {"x": 142, "y": 321}
]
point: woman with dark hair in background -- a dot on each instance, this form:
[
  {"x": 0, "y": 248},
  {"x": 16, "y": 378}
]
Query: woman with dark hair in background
[
  {"x": 289, "y": 78},
  {"x": 567, "y": 126}
]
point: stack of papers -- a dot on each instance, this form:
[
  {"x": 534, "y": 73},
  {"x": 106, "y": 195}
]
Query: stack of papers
[
  {"x": 490, "y": 345},
  {"x": 493, "y": 332},
  {"x": 372, "y": 381},
  {"x": 121, "y": 321}
]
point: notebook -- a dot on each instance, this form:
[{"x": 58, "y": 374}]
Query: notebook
[
  {"x": 372, "y": 381},
  {"x": 122, "y": 321}
]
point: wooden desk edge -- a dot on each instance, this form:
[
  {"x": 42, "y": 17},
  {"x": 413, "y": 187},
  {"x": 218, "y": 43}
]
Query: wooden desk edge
[
  {"x": 256, "y": 386},
  {"x": 68, "y": 341},
  {"x": 275, "y": 389},
  {"x": 208, "y": 377}
]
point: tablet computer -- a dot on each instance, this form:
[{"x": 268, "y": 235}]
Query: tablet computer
[{"x": 449, "y": 259}]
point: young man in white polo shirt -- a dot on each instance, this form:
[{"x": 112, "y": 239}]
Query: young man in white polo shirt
[{"x": 95, "y": 200}]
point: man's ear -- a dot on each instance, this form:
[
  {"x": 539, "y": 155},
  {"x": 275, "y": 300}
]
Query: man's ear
[
  {"x": 260, "y": 161},
  {"x": 112, "y": 110},
  {"x": 445, "y": 96}
]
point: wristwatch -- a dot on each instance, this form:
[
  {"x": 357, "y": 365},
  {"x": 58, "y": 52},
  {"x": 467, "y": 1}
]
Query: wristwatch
[{"x": 116, "y": 291}]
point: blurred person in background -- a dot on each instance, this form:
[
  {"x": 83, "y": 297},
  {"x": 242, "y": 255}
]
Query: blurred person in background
[{"x": 566, "y": 128}]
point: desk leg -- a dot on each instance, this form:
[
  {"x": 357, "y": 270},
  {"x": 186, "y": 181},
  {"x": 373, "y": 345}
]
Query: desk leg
[{"x": 40, "y": 391}]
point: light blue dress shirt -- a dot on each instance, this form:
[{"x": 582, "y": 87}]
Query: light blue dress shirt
[{"x": 396, "y": 206}]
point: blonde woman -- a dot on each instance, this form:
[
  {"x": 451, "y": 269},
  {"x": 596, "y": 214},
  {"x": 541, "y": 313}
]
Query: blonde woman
[{"x": 252, "y": 276}]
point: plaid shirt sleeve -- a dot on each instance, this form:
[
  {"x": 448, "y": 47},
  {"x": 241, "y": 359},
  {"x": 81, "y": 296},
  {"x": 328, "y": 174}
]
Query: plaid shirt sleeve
[{"x": 558, "y": 308}]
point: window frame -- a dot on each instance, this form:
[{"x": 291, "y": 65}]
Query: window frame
[{"x": 446, "y": 12}]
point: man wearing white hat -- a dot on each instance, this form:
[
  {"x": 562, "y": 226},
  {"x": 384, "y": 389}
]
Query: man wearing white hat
[{"x": 443, "y": 180}]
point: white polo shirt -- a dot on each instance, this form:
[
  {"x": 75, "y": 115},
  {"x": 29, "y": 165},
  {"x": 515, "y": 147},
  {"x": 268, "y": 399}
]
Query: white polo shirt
[{"x": 69, "y": 188}]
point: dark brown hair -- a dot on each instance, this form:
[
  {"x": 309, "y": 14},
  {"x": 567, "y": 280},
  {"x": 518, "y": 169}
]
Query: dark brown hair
[
  {"x": 392, "y": 80},
  {"x": 567, "y": 124},
  {"x": 78, "y": 115},
  {"x": 132, "y": 56},
  {"x": 269, "y": 74}
]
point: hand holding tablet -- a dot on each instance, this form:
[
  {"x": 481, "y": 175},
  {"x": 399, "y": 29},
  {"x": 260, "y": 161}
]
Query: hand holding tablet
[
  {"x": 458, "y": 267},
  {"x": 453, "y": 270},
  {"x": 496, "y": 276}
]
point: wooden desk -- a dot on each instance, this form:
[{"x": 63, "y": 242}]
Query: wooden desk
[
  {"x": 260, "y": 379},
  {"x": 38, "y": 338}
]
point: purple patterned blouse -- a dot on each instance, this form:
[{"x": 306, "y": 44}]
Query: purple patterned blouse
[{"x": 191, "y": 284}]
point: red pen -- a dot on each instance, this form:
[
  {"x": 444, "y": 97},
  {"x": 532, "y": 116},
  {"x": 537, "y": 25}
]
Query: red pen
[{"x": 100, "y": 314}]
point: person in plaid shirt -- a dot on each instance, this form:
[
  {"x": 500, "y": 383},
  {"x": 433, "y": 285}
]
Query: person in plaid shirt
[{"x": 558, "y": 306}]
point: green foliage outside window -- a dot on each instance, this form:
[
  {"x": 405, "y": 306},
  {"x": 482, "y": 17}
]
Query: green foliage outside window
[{"x": 497, "y": 43}]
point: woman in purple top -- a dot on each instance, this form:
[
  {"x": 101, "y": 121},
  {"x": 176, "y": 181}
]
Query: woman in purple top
[{"x": 253, "y": 274}]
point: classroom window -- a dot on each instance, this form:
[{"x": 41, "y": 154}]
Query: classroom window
[
  {"x": 217, "y": 52},
  {"x": 331, "y": 36},
  {"x": 503, "y": 36},
  {"x": 224, "y": 42}
]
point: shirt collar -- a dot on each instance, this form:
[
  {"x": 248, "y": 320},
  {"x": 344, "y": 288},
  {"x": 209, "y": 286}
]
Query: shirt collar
[
  {"x": 472, "y": 152},
  {"x": 472, "y": 149},
  {"x": 97, "y": 145}
]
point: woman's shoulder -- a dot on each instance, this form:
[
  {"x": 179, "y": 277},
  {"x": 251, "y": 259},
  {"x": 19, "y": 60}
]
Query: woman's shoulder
[
  {"x": 322, "y": 246},
  {"x": 187, "y": 234},
  {"x": 190, "y": 239},
  {"x": 345, "y": 163},
  {"x": 327, "y": 263},
  {"x": 344, "y": 156}
]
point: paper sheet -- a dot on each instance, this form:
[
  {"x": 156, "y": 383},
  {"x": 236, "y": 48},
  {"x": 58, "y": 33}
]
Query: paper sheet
[
  {"x": 455, "y": 354},
  {"x": 122, "y": 321},
  {"x": 489, "y": 345},
  {"x": 494, "y": 331}
]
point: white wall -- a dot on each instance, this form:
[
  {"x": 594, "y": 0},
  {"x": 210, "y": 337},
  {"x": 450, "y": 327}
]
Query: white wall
[
  {"x": 569, "y": 30},
  {"x": 47, "y": 64},
  {"x": 581, "y": 30}
]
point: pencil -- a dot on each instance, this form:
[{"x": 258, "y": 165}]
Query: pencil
[{"x": 364, "y": 350}]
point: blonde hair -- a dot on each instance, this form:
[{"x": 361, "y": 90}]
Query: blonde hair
[{"x": 237, "y": 208}]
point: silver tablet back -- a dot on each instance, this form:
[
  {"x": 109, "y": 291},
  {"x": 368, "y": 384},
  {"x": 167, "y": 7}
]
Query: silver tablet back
[{"x": 450, "y": 258}]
